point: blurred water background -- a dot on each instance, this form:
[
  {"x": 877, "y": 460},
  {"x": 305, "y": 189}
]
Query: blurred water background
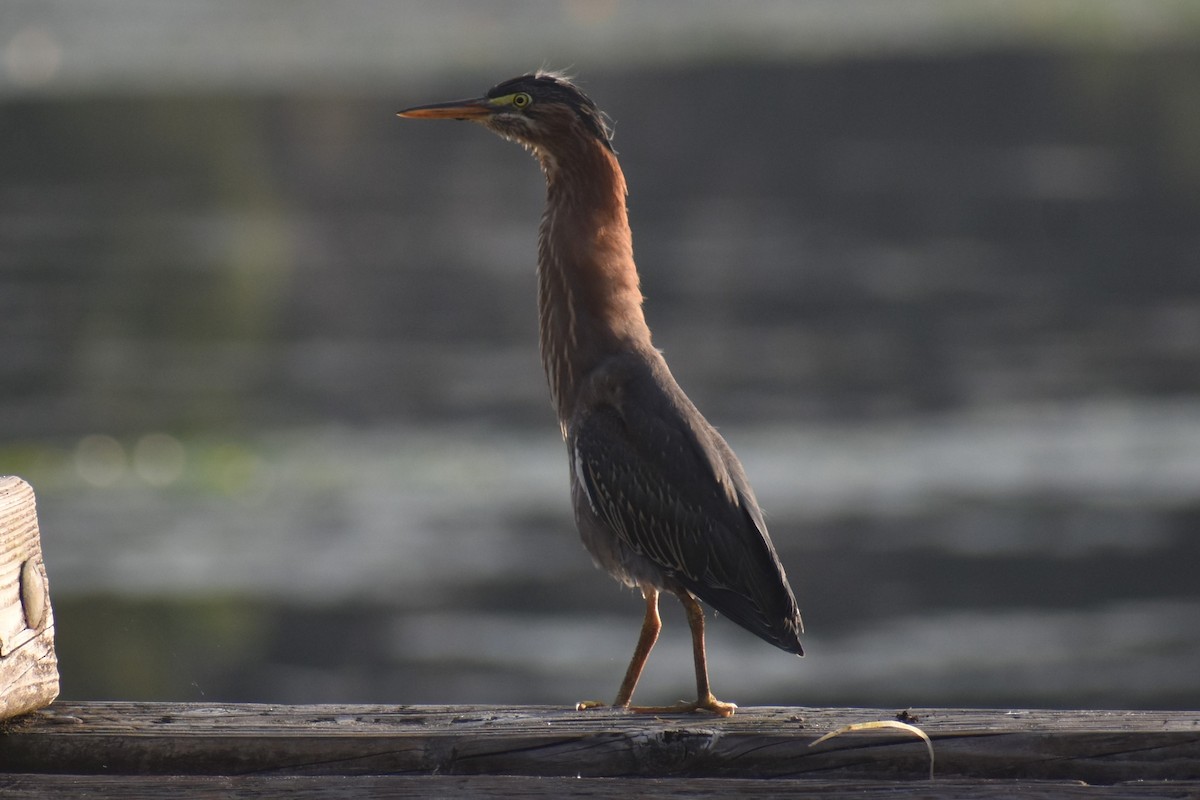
[{"x": 269, "y": 353}]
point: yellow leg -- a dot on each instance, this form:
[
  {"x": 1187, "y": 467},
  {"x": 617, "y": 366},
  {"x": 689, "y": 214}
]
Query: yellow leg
[
  {"x": 651, "y": 625},
  {"x": 704, "y": 695}
]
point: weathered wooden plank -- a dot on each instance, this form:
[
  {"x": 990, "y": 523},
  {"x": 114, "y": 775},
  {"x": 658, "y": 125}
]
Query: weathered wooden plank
[
  {"x": 195, "y": 787},
  {"x": 1097, "y": 747},
  {"x": 28, "y": 667}
]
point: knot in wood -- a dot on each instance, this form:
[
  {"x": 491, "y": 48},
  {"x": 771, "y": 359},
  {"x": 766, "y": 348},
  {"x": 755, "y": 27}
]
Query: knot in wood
[
  {"x": 670, "y": 751},
  {"x": 33, "y": 593}
]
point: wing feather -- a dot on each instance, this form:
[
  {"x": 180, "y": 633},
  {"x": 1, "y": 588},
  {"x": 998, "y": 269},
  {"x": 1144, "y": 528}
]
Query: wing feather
[{"x": 666, "y": 484}]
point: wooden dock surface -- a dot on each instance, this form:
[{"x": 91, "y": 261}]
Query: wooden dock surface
[{"x": 131, "y": 750}]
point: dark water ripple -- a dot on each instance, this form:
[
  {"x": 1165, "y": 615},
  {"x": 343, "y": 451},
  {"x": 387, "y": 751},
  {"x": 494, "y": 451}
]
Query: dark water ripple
[{"x": 269, "y": 362}]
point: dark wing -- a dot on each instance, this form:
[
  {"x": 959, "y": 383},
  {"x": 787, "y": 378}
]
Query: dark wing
[{"x": 668, "y": 486}]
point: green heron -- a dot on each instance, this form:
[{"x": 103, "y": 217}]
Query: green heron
[{"x": 661, "y": 502}]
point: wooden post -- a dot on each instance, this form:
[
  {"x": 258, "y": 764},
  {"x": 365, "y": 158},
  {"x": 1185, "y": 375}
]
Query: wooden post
[{"x": 28, "y": 666}]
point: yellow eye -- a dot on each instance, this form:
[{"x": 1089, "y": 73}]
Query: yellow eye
[{"x": 520, "y": 100}]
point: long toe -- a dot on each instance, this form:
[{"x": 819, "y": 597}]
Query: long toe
[
  {"x": 709, "y": 704},
  {"x": 717, "y": 707}
]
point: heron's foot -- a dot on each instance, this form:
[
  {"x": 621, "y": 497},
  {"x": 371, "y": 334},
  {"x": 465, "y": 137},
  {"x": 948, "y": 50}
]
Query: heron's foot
[{"x": 709, "y": 704}]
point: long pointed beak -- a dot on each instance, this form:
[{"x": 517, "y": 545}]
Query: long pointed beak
[{"x": 456, "y": 109}]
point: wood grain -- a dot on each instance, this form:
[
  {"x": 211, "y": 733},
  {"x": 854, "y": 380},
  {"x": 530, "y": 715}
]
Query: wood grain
[
  {"x": 1095, "y": 747},
  {"x": 28, "y": 666},
  {"x": 35, "y": 787}
]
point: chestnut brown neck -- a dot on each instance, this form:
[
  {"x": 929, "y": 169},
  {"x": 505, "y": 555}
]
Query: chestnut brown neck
[{"x": 589, "y": 300}]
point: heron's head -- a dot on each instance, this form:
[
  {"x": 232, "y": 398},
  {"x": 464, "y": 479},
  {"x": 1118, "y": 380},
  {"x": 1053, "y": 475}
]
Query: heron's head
[{"x": 543, "y": 111}]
